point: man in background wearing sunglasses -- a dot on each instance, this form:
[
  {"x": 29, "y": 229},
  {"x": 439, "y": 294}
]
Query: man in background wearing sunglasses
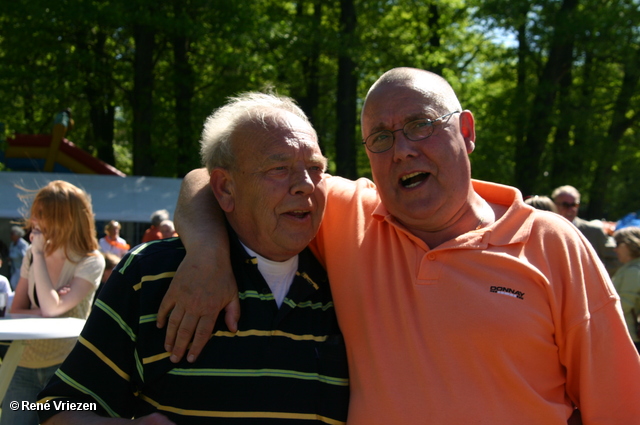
[
  {"x": 567, "y": 200},
  {"x": 459, "y": 303}
]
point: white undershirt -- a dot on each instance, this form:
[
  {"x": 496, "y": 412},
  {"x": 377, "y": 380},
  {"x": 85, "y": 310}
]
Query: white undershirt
[{"x": 278, "y": 274}]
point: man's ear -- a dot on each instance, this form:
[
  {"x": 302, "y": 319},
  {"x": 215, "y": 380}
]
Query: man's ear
[
  {"x": 468, "y": 130},
  {"x": 223, "y": 188}
]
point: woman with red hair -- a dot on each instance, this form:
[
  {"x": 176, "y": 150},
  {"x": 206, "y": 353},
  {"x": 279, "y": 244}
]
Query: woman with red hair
[{"x": 58, "y": 278}]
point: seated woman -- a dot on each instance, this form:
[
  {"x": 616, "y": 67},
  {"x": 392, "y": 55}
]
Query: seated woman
[{"x": 59, "y": 276}]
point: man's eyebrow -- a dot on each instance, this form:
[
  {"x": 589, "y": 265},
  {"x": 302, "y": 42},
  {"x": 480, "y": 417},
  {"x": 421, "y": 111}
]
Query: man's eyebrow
[
  {"x": 277, "y": 157},
  {"x": 428, "y": 114},
  {"x": 283, "y": 157},
  {"x": 320, "y": 159}
]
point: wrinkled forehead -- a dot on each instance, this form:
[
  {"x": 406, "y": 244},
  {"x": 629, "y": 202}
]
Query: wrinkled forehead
[
  {"x": 273, "y": 133},
  {"x": 426, "y": 97}
]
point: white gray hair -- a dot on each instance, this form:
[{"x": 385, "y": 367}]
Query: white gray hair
[
  {"x": 215, "y": 142},
  {"x": 566, "y": 190},
  {"x": 17, "y": 230},
  {"x": 159, "y": 216}
]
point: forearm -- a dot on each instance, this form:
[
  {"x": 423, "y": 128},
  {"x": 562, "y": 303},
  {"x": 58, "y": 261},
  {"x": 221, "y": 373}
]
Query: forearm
[
  {"x": 198, "y": 218},
  {"x": 48, "y": 298},
  {"x": 204, "y": 283},
  {"x": 21, "y": 303}
]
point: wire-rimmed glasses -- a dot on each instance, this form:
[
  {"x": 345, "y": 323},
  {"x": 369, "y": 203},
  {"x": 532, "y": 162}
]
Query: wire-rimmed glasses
[{"x": 423, "y": 128}]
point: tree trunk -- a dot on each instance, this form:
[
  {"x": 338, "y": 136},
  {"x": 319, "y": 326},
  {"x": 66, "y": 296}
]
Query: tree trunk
[
  {"x": 434, "y": 39},
  {"x": 99, "y": 92},
  {"x": 563, "y": 165},
  {"x": 520, "y": 99},
  {"x": 310, "y": 67},
  {"x": 530, "y": 150},
  {"x": 102, "y": 123},
  {"x": 620, "y": 123},
  {"x": 142, "y": 99},
  {"x": 346, "y": 163},
  {"x": 184, "y": 87}
]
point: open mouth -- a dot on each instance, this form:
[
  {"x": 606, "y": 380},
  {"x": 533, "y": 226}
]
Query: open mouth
[
  {"x": 413, "y": 179},
  {"x": 298, "y": 213}
]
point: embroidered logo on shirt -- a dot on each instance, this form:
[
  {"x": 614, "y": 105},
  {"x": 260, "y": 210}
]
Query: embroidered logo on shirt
[{"x": 507, "y": 291}]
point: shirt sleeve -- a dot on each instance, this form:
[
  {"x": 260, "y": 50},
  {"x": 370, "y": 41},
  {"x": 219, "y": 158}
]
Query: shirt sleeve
[
  {"x": 348, "y": 203},
  {"x": 602, "y": 365},
  {"x": 90, "y": 268}
]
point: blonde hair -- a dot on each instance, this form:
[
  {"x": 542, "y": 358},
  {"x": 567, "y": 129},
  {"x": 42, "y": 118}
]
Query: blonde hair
[
  {"x": 110, "y": 225},
  {"x": 65, "y": 217}
]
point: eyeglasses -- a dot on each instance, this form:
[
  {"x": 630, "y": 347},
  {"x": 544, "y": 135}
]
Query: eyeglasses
[
  {"x": 382, "y": 141},
  {"x": 568, "y": 204}
]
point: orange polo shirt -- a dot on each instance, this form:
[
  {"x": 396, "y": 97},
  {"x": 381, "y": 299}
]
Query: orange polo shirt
[{"x": 510, "y": 324}]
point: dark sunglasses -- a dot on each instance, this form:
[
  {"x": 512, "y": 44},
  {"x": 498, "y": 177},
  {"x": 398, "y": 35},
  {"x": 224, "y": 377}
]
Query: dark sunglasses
[{"x": 568, "y": 204}]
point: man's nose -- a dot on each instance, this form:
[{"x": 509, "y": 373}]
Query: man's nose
[
  {"x": 402, "y": 146},
  {"x": 302, "y": 182}
]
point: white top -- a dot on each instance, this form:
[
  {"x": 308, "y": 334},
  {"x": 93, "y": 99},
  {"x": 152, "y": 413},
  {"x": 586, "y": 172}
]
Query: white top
[
  {"x": 278, "y": 274},
  {"x": 4, "y": 285},
  {"x": 106, "y": 247}
]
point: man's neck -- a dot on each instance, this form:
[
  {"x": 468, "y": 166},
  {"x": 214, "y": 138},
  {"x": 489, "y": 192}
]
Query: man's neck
[{"x": 477, "y": 215}]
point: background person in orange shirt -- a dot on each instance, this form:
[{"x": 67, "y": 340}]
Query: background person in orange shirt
[
  {"x": 112, "y": 242},
  {"x": 153, "y": 233}
]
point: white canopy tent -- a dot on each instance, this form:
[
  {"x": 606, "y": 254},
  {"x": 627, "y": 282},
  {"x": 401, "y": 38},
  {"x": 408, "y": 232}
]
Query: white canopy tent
[{"x": 131, "y": 199}]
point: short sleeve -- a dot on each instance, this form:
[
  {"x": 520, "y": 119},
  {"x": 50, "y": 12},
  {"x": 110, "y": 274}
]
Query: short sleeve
[{"x": 91, "y": 267}]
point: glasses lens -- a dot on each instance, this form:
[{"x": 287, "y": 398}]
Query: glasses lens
[
  {"x": 419, "y": 129},
  {"x": 380, "y": 141},
  {"x": 569, "y": 204}
]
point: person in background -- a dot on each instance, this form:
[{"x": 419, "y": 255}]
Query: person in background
[
  {"x": 286, "y": 362},
  {"x": 63, "y": 254},
  {"x": 112, "y": 242},
  {"x": 5, "y": 288},
  {"x": 4, "y": 256},
  {"x": 167, "y": 229},
  {"x": 567, "y": 200},
  {"x": 458, "y": 302},
  {"x": 627, "y": 278},
  {"x": 541, "y": 202},
  {"x": 153, "y": 232},
  {"x": 6, "y": 297},
  {"x": 17, "y": 250}
]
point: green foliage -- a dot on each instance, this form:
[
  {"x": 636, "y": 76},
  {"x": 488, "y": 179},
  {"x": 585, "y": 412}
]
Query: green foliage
[{"x": 81, "y": 54}]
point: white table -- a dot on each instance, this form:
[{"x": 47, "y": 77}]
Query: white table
[{"x": 18, "y": 328}]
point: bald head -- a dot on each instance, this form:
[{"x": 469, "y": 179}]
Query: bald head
[{"x": 436, "y": 89}]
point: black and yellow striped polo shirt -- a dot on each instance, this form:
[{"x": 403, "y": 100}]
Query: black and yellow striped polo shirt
[{"x": 283, "y": 366}]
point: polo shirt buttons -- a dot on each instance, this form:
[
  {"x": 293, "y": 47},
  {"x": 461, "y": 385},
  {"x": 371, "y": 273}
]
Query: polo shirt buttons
[{"x": 431, "y": 256}]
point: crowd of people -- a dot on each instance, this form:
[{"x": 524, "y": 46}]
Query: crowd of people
[{"x": 445, "y": 299}]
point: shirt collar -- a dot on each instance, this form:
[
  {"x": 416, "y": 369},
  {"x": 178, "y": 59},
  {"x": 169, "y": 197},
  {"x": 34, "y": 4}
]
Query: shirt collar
[{"x": 513, "y": 227}]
